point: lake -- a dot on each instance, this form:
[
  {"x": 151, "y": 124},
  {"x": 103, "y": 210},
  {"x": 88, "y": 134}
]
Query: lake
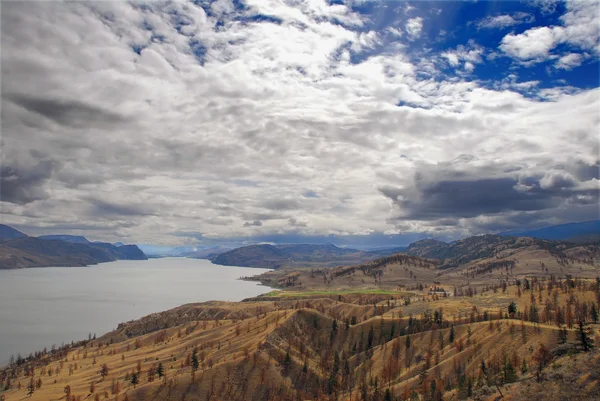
[{"x": 54, "y": 305}]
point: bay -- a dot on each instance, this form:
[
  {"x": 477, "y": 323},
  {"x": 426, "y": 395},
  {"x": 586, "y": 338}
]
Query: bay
[{"x": 40, "y": 307}]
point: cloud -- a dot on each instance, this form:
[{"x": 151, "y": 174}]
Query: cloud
[
  {"x": 505, "y": 20},
  {"x": 414, "y": 26},
  {"x": 22, "y": 185},
  {"x": 569, "y": 61},
  {"x": 297, "y": 223},
  {"x": 534, "y": 43},
  {"x": 72, "y": 113},
  {"x": 464, "y": 56},
  {"x": 579, "y": 28},
  {"x": 468, "y": 191},
  {"x": 255, "y": 223},
  {"x": 141, "y": 122}
]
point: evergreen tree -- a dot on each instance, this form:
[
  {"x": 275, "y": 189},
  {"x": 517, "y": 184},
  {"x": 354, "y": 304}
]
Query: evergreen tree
[
  {"x": 332, "y": 383},
  {"x": 524, "y": 367},
  {"x": 31, "y": 387},
  {"x": 584, "y": 337},
  {"x": 407, "y": 342},
  {"x": 451, "y": 339},
  {"x": 334, "y": 329},
  {"x": 287, "y": 362},
  {"x": 512, "y": 308},
  {"x": 160, "y": 370},
  {"x": 195, "y": 362},
  {"x": 562, "y": 335},
  {"x": 134, "y": 379},
  {"x": 509, "y": 372},
  {"x": 388, "y": 395},
  {"x": 370, "y": 338}
]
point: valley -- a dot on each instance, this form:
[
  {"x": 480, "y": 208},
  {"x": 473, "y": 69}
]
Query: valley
[{"x": 401, "y": 327}]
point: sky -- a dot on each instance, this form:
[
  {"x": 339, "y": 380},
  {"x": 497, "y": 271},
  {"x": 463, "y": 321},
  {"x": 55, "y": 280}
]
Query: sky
[{"x": 175, "y": 123}]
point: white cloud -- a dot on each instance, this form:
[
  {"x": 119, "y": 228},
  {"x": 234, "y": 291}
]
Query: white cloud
[
  {"x": 151, "y": 123},
  {"x": 505, "y": 20},
  {"x": 579, "y": 28},
  {"x": 468, "y": 56},
  {"x": 569, "y": 61},
  {"x": 414, "y": 26},
  {"x": 534, "y": 43}
]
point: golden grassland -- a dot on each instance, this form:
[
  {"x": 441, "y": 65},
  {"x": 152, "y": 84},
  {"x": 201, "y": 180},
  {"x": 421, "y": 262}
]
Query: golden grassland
[{"x": 283, "y": 346}]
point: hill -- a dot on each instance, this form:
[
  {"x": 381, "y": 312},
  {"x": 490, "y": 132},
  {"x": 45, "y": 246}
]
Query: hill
[
  {"x": 35, "y": 252},
  {"x": 7, "y": 232},
  {"x": 355, "y": 346},
  {"x": 494, "y": 248},
  {"x": 472, "y": 262},
  {"x": 296, "y": 256},
  {"x": 559, "y": 232},
  {"x": 76, "y": 239}
]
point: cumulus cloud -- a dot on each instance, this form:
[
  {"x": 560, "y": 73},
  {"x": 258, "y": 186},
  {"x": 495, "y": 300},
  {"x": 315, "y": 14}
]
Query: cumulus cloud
[
  {"x": 534, "y": 43},
  {"x": 414, "y": 26},
  {"x": 255, "y": 223},
  {"x": 164, "y": 122},
  {"x": 579, "y": 28},
  {"x": 465, "y": 56},
  {"x": 505, "y": 20},
  {"x": 569, "y": 61}
]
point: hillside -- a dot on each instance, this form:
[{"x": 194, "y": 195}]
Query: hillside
[
  {"x": 467, "y": 252},
  {"x": 7, "y": 232},
  {"x": 35, "y": 252},
  {"x": 473, "y": 262},
  {"x": 351, "y": 346},
  {"x": 296, "y": 256}
]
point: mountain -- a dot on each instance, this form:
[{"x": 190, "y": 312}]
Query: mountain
[
  {"x": 34, "y": 252},
  {"x": 296, "y": 255},
  {"x": 522, "y": 255},
  {"x": 75, "y": 239},
  {"x": 560, "y": 232},
  {"x": 7, "y": 232},
  {"x": 118, "y": 244}
]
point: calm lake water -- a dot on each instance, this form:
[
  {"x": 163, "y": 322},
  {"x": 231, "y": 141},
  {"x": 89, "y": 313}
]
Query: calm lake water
[{"x": 51, "y": 305}]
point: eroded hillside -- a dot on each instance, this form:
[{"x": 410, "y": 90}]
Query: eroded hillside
[{"x": 338, "y": 346}]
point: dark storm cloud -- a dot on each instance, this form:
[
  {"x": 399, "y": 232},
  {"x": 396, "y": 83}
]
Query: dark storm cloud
[
  {"x": 281, "y": 204},
  {"x": 255, "y": 223},
  {"x": 443, "y": 195},
  {"x": 22, "y": 185},
  {"x": 70, "y": 113},
  {"x": 107, "y": 208}
]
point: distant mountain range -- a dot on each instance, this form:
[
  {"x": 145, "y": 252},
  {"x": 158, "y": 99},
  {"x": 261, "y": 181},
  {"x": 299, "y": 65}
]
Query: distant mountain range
[
  {"x": 17, "y": 250},
  {"x": 570, "y": 231},
  {"x": 297, "y": 255},
  {"x": 495, "y": 250}
]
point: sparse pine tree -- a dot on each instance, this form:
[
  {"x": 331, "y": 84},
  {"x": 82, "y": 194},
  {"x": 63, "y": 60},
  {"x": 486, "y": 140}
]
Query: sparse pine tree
[
  {"x": 451, "y": 339},
  {"x": 195, "y": 362},
  {"x": 134, "y": 379},
  {"x": 584, "y": 337},
  {"x": 524, "y": 367}
]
